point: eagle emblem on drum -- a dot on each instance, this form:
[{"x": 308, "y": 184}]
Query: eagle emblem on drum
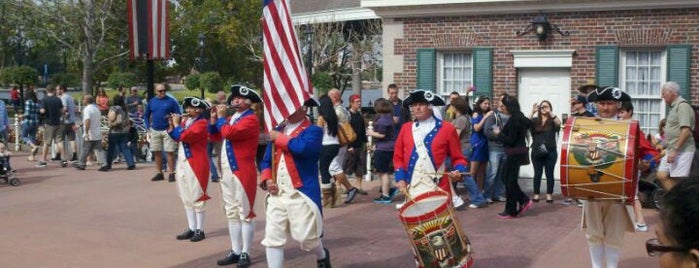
[{"x": 597, "y": 151}]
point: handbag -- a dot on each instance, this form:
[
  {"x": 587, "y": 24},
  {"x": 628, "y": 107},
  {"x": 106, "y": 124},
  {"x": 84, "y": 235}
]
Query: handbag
[
  {"x": 540, "y": 151},
  {"x": 345, "y": 134},
  {"x": 512, "y": 151}
]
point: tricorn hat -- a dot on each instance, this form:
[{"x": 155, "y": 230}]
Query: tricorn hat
[
  {"x": 195, "y": 102},
  {"x": 311, "y": 102},
  {"x": 608, "y": 94},
  {"x": 245, "y": 92},
  {"x": 423, "y": 96}
]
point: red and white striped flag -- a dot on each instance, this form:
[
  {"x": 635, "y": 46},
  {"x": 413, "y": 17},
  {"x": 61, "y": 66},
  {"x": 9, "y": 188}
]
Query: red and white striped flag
[
  {"x": 286, "y": 83},
  {"x": 149, "y": 34}
]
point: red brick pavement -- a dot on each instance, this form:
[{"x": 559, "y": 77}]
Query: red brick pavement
[{"x": 62, "y": 217}]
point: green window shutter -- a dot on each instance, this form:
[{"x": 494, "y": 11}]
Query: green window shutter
[
  {"x": 607, "y": 59},
  {"x": 678, "y": 60},
  {"x": 483, "y": 71},
  {"x": 427, "y": 69}
]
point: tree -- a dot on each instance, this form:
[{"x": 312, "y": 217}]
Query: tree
[{"x": 88, "y": 29}]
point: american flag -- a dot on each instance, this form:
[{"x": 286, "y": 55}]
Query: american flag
[
  {"x": 286, "y": 83},
  {"x": 149, "y": 35}
]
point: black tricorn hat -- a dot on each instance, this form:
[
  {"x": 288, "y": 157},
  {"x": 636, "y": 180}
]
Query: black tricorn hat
[
  {"x": 245, "y": 92},
  {"x": 311, "y": 102},
  {"x": 423, "y": 96},
  {"x": 195, "y": 102},
  {"x": 608, "y": 94}
]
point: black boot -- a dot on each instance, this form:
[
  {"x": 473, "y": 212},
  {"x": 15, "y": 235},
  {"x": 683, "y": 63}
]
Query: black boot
[
  {"x": 325, "y": 263},
  {"x": 187, "y": 234},
  {"x": 231, "y": 258},
  {"x": 198, "y": 236}
]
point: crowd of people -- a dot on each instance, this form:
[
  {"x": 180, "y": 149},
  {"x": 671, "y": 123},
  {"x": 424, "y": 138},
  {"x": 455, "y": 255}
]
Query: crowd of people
[{"x": 416, "y": 148}]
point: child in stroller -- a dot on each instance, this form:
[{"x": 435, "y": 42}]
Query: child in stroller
[{"x": 6, "y": 171}]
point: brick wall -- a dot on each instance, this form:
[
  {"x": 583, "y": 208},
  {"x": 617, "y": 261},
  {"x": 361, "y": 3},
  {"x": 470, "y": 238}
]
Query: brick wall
[{"x": 633, "y": 28}]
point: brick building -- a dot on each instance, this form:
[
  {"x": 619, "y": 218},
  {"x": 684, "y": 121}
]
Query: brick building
[{"x": 448, "y": 45}]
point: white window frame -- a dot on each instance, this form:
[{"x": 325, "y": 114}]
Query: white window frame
[
  {"x": 647, "y": 129},
  {"x": 441, "y": 90}
]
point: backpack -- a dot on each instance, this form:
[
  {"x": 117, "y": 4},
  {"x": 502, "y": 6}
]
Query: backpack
[{"x": 120, "y": 123}]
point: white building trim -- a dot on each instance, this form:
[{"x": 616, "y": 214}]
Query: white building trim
[
  {"x": 543, "y": 58},
  {"x": 337, "y": 15},
  {"x": 428, "y": 8}
]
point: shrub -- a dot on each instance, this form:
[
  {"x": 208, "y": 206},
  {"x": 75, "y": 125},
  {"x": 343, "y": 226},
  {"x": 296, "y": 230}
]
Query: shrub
[
  {"x": 191, "y": 82},
  {"x": 125, "y": 80},
  {"x": 211, "y": 82},
  {"x": 23, "y": 75}
]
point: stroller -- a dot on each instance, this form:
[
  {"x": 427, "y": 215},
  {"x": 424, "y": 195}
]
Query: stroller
[
  {"x": 650, "y": 191},
  {"x": 6, "y": 173}
]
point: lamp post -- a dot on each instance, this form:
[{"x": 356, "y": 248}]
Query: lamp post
[
  {"x": 200, "y": 62},
  {"x": 308, "y": 32},
  {"x": 122, "y": 42},
  {"x": 64, "y": 50}
]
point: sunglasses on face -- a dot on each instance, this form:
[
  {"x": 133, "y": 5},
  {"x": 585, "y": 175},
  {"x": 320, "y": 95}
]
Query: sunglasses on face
[{"x": 654, "y": 248}]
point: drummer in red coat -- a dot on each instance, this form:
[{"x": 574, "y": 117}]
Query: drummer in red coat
[
  {"x": 606, "y": 221},
  {"x": 240, "y": 133},
  {"x": 422, "y": 147},
  {"x": 192, "y": 164}
]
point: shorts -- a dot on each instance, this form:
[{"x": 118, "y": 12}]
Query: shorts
[
  {"x": 681, "y": 166},
  {"x": 65, "y": 130},
  {"x": 50, "y": 133},
  {"x": 382, "y": 160},
  {"x": 160, "y": 140},
  {"x": 336, "y": 164}
]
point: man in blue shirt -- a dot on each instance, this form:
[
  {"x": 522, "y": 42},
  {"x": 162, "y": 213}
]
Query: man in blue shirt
[
  {"x": 156, "y": 118},
  {"x": 400, "y": 113}
]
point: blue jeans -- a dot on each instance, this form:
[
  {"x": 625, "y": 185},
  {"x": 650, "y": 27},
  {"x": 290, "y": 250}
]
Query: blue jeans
[
  {"x": 494, "y": 186},
  {"x": 118, "y": 140},
  {"x": 212, "y": 156},
  {"x": 547, "y": 164},
  {"x": 474, "y": 192},
  {"x": 29, "y": 133}
]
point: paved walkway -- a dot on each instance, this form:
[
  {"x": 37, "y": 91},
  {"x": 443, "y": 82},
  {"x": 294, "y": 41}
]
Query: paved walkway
[{"x": 62, "y": 217}]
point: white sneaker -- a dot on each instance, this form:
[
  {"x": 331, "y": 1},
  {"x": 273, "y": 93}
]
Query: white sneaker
[
  {"x": 641, "y": 227},
  {"x": 399, "y": 205},
  {"x": 457, "y": 201},
  {"x": 489, "y": 201}
]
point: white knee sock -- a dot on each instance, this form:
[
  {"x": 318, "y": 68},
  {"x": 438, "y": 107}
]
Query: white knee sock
[
  {"x": 596, "y": 255},
  {"x": 200, "y": 220},
  {"x": 191, "y": 219},
  {"x": 319, "y": 251},
  {"x": 612, "y": 255},
  {"x": 248, "y": 233},
  {"x": 275, "y": 257},
  {"x": 234, "y": 230}
]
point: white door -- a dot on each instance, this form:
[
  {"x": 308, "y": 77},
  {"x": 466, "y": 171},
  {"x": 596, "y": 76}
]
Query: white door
[{"x": 536, "y": 85}]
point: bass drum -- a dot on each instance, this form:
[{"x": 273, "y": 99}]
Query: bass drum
[
  {"x": 598, "y": 159},
  {"x": 434, "y": 232}
]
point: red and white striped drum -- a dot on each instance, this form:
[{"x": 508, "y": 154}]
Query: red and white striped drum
[
  {"x": 435, "y": 233},
  {"x": 598, "y": 159}
]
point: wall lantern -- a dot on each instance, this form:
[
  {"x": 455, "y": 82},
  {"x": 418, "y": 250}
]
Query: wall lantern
[{"x": 542, "y": 28}]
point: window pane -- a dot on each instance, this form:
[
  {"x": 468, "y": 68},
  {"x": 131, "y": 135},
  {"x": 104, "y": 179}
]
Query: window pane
[
  {"x": 457, "y": 73},
  {"x": 642, "y": 78},
  {"x": 656, "y": 58},
  {"x": 630, "y": 58}
]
